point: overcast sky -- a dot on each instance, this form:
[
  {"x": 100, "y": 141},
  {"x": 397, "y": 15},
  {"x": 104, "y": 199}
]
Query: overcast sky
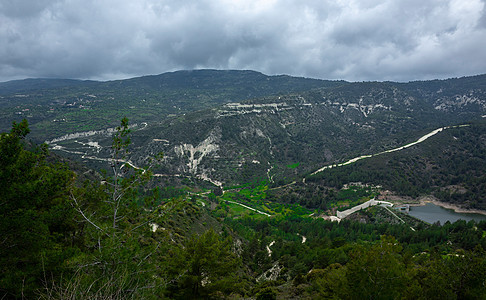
[{"x": 398, "y": 40}]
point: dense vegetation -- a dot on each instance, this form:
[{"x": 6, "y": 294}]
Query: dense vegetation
[
  {"x": 55, "y": 107},
  {"x": 259, "y": 138},
  {"x": 37, "y": 224},
  {"x": 450, "y": 166},
  {"x": 282, "y": 120},
  {"x": 157, "y": 226},
  {"x": 119, "y": 239}
]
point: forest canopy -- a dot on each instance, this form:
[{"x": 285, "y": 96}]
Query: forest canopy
[{"x": 118, "y": 237}]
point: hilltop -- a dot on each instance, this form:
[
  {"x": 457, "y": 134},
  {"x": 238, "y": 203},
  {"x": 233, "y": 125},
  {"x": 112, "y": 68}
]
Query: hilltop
[{"x": 55, "y": 107}]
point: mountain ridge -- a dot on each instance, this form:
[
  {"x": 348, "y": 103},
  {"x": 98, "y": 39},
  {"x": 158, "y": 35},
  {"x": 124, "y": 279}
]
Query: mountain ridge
[
  {"x": 233, "y": 126},
  {"x": 57, "y": 107},
  {"x": 242, "y": 168},
  {"x": 258, "y": 138}
]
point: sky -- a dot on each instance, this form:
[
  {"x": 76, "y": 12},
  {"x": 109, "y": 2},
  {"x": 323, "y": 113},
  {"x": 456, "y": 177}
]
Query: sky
[{"x": 354, "y": 40}]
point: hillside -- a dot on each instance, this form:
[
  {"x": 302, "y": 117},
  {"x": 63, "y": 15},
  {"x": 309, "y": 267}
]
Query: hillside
[
  {"x": 449, "y": 165},
  {"x": 55, "y": 107},
  {"x": 289, "y": 128},
  {"x": 121, "y": 238},
  {"x": 281, "y": 138}
]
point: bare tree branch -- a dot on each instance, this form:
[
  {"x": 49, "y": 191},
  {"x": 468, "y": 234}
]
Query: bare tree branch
[{"x": 78, "y": 208}]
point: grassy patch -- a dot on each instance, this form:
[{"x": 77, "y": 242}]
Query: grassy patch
[
  {"x": 254, "y": 195},
  {"x": 293, "y": 166}
]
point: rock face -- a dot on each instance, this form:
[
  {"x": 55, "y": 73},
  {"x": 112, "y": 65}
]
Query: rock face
[
  {"x": 195, "y": 154},
  {"x": 271, "y": 274},
  {"x": 460, "y": 102}
]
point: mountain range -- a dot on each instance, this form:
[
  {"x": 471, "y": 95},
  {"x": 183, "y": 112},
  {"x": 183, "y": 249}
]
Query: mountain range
[
  {"x": 243, "y": 200},
  {"x": 232, "y": 127}
]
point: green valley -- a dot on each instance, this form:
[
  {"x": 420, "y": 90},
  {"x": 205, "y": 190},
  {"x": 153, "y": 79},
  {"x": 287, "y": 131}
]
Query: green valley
[{"x": 229, "y": 184}]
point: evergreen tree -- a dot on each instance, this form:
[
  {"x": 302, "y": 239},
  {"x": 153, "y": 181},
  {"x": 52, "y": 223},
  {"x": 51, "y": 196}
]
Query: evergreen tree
[
  {"x": 207, "y": 267},
  {"x": 37, "y": 232}
]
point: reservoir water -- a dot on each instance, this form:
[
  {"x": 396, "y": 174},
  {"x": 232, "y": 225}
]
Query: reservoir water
[{"x": 432, "y": 213}]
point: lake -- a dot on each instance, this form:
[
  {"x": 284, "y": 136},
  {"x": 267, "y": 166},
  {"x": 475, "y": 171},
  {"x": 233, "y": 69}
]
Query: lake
[{"x": 432, "y": 213}]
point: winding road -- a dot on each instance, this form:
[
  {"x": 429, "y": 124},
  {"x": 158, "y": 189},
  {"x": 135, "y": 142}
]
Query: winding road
[
  {"x": 420, "y": 140},
  {"x": 353, "y": 160},
  {"x": 250, "y": 208}
]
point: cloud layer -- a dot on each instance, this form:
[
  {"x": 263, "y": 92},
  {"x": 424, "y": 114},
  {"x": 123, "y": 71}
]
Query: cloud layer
[{"x": 345, "y": 39}]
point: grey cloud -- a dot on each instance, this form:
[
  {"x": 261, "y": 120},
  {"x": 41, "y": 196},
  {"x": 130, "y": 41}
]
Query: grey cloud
[
  {"x": 24, "y": 8},
  {"x": 482, "y": 21},
  {"x": 350, "y": 39}
]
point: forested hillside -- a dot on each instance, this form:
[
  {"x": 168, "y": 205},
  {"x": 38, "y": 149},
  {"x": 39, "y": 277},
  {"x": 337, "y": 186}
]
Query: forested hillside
[
  {"x": 257, "y": 139},
  {"x": 62, "y": 238},
  {"x": 237, "y": 126},
  {"x": 449, "y": 165},
  {"x": 55, "y": 107},
  {"x": 224, "y": 184}
]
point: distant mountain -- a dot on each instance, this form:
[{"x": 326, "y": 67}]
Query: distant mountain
[
  {"x": 237, "y": 126},
  {"x": 462, "y": 95},
  {"x": 55, "y": 107},
  {"x": 280, "y": 138},
  {"x": 33, "y": 84}
]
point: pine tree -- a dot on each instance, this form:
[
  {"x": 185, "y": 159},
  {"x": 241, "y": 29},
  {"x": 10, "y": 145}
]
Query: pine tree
[{"x": 37, "y": 232}]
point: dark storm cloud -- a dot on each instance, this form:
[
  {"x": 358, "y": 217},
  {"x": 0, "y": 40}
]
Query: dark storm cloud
[{"x": 353, "y": 40}]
